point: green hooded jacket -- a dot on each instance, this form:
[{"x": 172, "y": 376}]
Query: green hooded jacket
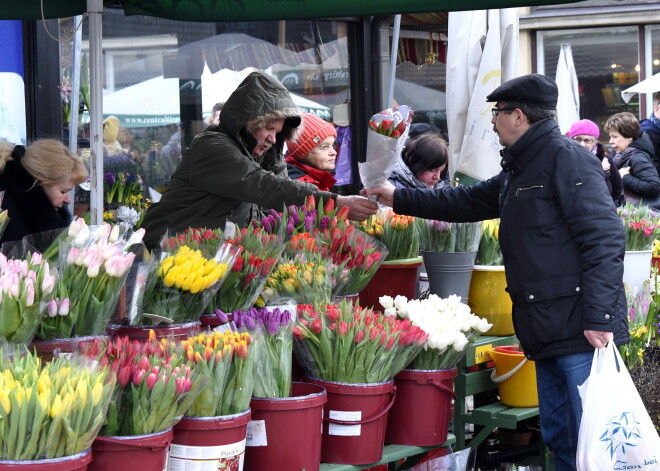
[{"x": 219, "y": 180}]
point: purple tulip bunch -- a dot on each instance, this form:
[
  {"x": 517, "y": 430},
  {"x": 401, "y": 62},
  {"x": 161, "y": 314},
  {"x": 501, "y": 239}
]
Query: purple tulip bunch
[{"x": 274, "y": 346}]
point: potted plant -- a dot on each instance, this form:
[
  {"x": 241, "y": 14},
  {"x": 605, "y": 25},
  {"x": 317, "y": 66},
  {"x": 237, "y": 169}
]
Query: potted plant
[
  {"x": 50, "y": 413},
  {"x": 642, "y": 228},
  {"x": 154, "y": 389},
  {"x": 420, "y": 415},
  {"x": 398, "y": 274},
  {"x": 449, "y": 256}
]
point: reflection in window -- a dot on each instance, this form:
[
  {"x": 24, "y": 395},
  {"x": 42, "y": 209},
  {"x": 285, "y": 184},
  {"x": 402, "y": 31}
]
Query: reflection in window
[
  {"x": 162, "y": 78},
  {"x": 606, "y": 62}
]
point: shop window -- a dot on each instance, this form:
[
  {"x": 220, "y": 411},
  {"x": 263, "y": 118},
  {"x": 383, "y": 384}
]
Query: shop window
[
  {"x": 606, "y": 62},
  {"x": 162, "y": 79}
]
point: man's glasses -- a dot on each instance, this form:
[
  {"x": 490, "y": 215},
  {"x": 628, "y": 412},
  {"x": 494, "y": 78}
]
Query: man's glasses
[
  {"x": 586, "y": 140},
  {"x": 496, "y": 111}
]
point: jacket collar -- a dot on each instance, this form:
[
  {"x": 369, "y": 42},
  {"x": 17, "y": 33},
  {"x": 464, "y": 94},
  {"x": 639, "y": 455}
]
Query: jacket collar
[
  {"x": 323, "y": 177},
  {"x": 521, "y": 153}
]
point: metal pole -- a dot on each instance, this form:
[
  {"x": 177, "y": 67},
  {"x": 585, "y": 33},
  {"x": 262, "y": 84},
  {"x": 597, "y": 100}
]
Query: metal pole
[
  {"x": 395, "y": 49},
  {"x": 95, "y": 10},
  {"x": 74, "y": 100}
]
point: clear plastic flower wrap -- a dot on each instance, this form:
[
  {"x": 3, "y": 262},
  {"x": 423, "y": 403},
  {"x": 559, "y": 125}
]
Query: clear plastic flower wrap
[
  {"x": 89, "y": 283},
  {"x": 180, "y": 285},
  {"x": 351, "y": 344},
  {"x": 271, "y": 327},
  {"x": 50, "y": 410},
  {"x": 26, "y": 292},
  {"x": 386, "y": 136}
]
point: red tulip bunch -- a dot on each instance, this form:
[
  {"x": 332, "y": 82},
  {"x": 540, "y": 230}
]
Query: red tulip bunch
[
  {"x": 351, "y": 344},
  {"x": 154, "y": 387},
  {"x": 248, "y": 274},
  {"x": 208, "y": 241}
]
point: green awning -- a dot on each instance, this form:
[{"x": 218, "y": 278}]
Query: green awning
[{"x": 257, "y": 10}]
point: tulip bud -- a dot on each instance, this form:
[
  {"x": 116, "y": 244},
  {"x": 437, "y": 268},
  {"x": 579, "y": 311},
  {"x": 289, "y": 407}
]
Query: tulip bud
[
  {"x": 52, "y": 308},
  {"x": 64, "y": 307},
  {"x": 137, "y": 377},
  {"x": 114, "y": 234},
  {"x": 151, "y": 380}
]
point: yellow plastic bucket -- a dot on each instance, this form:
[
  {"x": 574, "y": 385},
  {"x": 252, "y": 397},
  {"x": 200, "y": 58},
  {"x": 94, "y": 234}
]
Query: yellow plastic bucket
[
  {"x": 515, "y": 376},
  {"x": 489, "y": 300}
]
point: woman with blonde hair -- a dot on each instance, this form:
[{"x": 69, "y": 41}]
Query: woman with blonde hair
[{"x": 37, "y": 181}]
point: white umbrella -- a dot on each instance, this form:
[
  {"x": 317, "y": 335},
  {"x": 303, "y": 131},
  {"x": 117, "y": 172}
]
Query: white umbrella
[
  {"x": 568, "y": 101},
  {"x": 650, "y": 85},
  {"x": 482, "y": 53}
]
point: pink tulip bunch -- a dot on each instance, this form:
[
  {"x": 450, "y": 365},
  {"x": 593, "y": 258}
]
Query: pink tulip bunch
[
  {"x": 91, "y": 279},
  {"x": 26, "y": 287},
  {"x": 155, "y": 387}
]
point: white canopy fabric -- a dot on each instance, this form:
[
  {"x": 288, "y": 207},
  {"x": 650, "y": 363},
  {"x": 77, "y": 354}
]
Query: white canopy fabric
[
  {"x": 650, "y": 85},
  {"x": 568, "y": 102}
]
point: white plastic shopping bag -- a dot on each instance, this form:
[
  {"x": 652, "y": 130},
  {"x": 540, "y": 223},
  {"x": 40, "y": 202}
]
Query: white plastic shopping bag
[{"x": 616, "y": 432}]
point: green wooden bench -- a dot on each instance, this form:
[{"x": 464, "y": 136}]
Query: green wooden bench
[
  {"x": 391, "y": 456},
  {"x": 471, "y": 381}
]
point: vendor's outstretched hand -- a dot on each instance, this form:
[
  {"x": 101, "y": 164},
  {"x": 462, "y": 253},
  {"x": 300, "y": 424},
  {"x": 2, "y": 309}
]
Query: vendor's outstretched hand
[
  {"x": 385, "y": 194},
  {"x": 359, "y": 208}
]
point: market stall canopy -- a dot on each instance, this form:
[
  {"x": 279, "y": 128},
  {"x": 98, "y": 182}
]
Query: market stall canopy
[
  {"x": 255, "y": 10},
  {"x": 650, "y": 85}
]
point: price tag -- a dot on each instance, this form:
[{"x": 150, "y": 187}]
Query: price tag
[{"x": 481, "y": 353}]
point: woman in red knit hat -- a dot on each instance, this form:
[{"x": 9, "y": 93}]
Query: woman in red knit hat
[{"x": 312, "y": 155}]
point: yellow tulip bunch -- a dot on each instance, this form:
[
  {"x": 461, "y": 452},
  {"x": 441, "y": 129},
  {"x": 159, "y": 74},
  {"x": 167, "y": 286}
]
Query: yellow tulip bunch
[
  {"x": 307, "y": 281},
  {"x": 188, "y": 270},
  {"x": 182, "y": 284},
  {"x": 227, "y": 361},
  {"x": 52, "y": 410}
]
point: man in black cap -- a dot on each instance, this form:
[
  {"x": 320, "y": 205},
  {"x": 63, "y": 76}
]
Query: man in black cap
[{"x": 562, "y": 243}]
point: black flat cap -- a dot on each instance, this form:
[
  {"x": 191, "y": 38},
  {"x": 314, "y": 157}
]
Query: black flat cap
[{"x": 532, "y": 89}]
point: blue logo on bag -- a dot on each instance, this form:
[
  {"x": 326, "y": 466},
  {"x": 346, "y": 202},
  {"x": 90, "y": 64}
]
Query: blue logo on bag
[{"x": 622, "y": 431}]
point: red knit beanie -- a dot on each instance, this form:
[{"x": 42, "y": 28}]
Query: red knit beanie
[{"x": 314, "y": 131}]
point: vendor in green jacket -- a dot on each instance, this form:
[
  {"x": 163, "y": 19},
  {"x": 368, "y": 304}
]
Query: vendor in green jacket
[{"x": 239, "y": 163}]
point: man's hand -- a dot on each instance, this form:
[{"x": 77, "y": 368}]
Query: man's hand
[
  {"x": 359, "y": 208},
  {"x": 598, "y": 339},
  {"x": 624, "y": 171},
  {"x": 385, "y": 193}
]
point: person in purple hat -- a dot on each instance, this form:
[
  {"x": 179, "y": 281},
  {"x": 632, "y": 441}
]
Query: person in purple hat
[
  {"x": 585, "y": 132},
  {"x": 562, "y": 244}
]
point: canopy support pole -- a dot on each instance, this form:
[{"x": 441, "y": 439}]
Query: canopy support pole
[
  {"x": 74, "y": 99},
  {"x": 95, "y": 10},
  {"x": 395, "y": 50}
]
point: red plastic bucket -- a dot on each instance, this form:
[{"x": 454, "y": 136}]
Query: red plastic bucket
[
  {"x": 210, "y": 442},
  {"x": 420, "y": 415},
  {"x": 354, "y": 421},
  {"x": 76, "y": 462},
  {"x": 141, "y": 332},
  {"x": 279, "y": 423},
  {"x": 49, "y": 349},
  {"x": 391, "y": 279},
  {"x": 143, "y": 452}
]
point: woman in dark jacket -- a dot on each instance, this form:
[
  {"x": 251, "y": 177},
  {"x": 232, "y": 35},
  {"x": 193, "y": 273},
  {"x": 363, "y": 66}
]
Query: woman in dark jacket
[
  {"x": 37, "y": 181},
  {"x": 423, "y": 163},
  {"x": 633, "y": 158}
]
